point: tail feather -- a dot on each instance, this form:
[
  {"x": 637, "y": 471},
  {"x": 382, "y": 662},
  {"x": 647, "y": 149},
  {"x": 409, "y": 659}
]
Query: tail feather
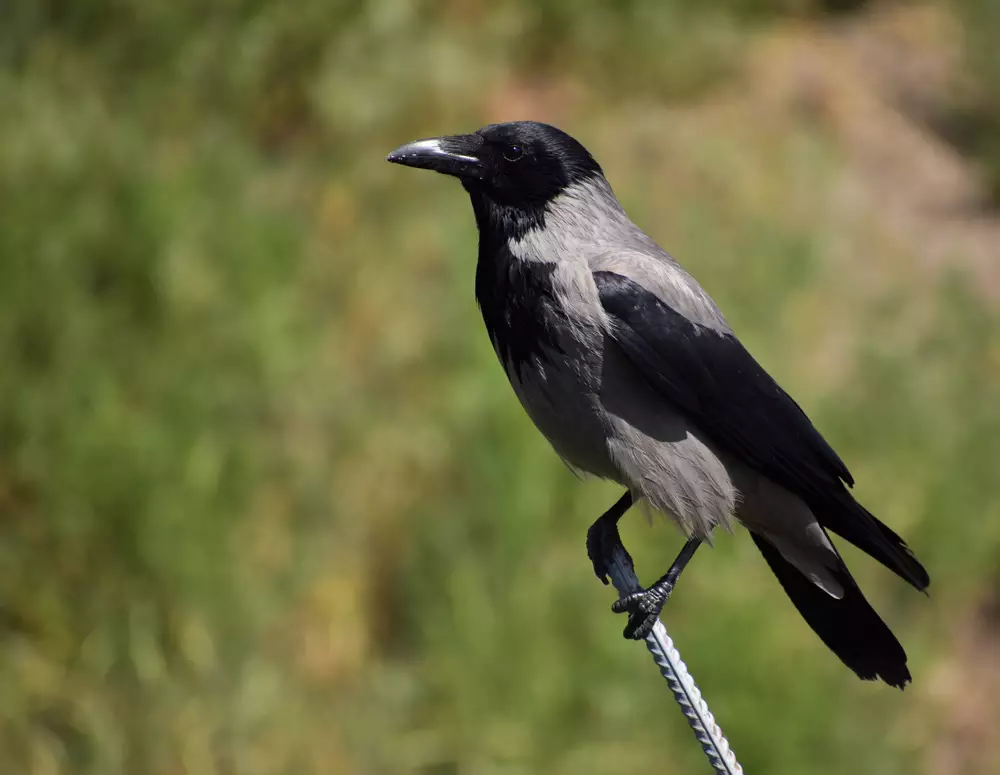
[
  {"x": 849, "y": 626},
  {"x": 853, "y": 522}
]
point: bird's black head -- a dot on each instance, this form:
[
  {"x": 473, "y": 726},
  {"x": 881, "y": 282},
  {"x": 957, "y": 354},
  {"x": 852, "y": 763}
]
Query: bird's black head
[{"x": 514, "y": 168}]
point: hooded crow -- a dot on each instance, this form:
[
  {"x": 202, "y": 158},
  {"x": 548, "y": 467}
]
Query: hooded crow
[{"x": 629, "y": 369}]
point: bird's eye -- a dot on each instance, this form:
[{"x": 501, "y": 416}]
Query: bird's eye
[{"x": 513, "y": 152}]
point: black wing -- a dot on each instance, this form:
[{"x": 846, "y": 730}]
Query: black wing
[{"x": 712, "y": 378}]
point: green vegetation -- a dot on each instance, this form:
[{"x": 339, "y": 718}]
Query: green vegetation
[{"x": 268, "y": 503}]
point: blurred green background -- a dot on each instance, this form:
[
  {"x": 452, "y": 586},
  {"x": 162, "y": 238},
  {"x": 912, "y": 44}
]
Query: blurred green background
[{"x": 268, "y": 503}]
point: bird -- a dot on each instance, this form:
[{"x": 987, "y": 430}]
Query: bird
[{"x": 629, "y": 369}]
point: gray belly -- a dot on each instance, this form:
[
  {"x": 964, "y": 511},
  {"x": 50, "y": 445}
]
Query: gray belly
[
  {"x": 601, "y": 417},
  {"x": 560, "y": 393}
]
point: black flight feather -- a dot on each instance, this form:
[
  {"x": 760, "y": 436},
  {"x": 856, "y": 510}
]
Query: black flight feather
[
  {"x": 849, "y": 626},
  {"x": 710, "y": 376}
]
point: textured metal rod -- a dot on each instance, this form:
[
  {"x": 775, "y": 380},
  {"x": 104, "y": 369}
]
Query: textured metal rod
[{"x": 673, "y": 669}]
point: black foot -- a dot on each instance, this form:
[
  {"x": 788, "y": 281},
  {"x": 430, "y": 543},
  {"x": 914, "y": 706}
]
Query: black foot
[
  {"x": 602, "y": 541},
  {"x": 603, "y": 538},
  {"x": 643, "y": 608}
]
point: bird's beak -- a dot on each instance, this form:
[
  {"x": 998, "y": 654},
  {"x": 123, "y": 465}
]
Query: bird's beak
[{"x": 456, "y": 155}]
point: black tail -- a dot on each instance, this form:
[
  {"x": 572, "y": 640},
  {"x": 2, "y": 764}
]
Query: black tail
[
  {"x": 848, "y": 626},
  {"x": 849, "y": 519}
]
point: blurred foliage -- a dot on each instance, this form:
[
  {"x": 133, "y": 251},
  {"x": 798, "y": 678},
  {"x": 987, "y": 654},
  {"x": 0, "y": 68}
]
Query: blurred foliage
[
  {"x": 268, "y": 503},
  {"x": 975, "y": 123}
]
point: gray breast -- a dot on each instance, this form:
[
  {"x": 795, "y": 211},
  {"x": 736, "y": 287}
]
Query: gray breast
[{"x": 560, "y": 392}]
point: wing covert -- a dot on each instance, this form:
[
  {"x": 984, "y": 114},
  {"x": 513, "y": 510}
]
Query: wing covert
[{"x": 715, "y": 380}]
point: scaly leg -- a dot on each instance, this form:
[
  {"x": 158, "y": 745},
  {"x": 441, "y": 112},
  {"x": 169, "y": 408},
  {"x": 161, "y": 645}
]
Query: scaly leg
[{"x": 644, "y": 607}]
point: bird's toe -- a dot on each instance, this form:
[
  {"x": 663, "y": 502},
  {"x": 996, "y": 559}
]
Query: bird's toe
[{"x": 643, "y": 609}]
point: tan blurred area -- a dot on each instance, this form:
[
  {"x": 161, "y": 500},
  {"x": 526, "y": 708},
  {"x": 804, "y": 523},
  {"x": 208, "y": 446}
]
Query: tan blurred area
[{"x": 268, "y": 504}]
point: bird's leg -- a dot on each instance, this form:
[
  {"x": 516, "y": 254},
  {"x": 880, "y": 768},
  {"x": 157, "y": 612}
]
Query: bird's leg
[
  {"x": 644, "y": 607},
  {"x": 603, "y": 538}
]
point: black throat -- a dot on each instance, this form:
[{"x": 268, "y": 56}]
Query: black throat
[{"x": 516, "y": 296}]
